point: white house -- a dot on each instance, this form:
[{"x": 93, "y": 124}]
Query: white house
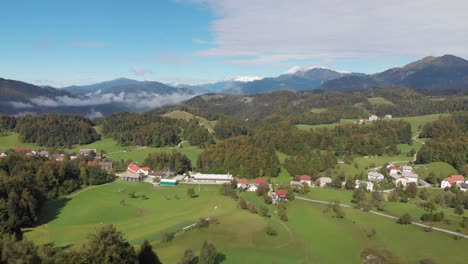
[
  {"x": 373, "y": 118},
  {"x": 410, "y": 177},
  {"x": 374, "y": 176},
  {"x": 463, "y": 186},
  {"x": 252, "y": 188},
  {"x": 368, "y": 185},
  {"x": 306, "y": 179},
  {"x": 322, "y": 181},
  {"x": 400, "y": 181},
  {"x": 212, "y": 178},
  {"x": 388, "y": 116},
  {"x": 242, "y": 183},
  {"x": 407, "y": 169},
  {"x": 452, "y": 179},
  {"x": 2, "y": 154},
  {"x": 394, "y": 170}
]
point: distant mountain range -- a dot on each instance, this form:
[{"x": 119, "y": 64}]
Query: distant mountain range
[{"x": 431, "y": 73}]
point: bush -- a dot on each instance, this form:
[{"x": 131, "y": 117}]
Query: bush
[
  {"x": 427, "y": 261},
  {"x": 404, "y": 219},
  {"x": 371, "y": 233},
  {"x": 271, "y": 231},
  {"x": 202, "y": 222},
  {"x": 252, "y": 208},
  {"x": 166, "y": 237},
  {"x": 263, "y": 211},
  {"x": 243, "y": 203}
]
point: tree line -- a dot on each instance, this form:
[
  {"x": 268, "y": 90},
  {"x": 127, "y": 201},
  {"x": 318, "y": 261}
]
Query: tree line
[
  {"x": 448, "y": 141},
  {"x": 27, "y": 182},
  {"x": 106, "y": 246},
  {"x": 54, "y": 130}
]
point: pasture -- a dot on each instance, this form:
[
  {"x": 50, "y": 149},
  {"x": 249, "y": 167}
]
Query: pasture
[{"x": 310, "y": 235}]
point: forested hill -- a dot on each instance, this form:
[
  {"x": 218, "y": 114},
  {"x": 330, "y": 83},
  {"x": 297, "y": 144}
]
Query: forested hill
[{"x": 393, "y": 100}]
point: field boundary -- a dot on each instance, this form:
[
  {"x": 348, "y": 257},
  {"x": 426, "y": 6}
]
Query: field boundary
[{"x": 387, "y": 216}]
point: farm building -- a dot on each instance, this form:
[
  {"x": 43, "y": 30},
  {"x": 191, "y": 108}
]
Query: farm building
[
  {"x": 280, "y": 195},
  {"x": 410, "y": 176},
  {"x": 133, "y": 168},
  {"x": 168, "y": 182},
  {"x": 87, "y": 152},
  {"x": 297, "y": 184},
  {"x": 106, "y": 165},
  {"x": 242, "y": 183},
  {"x": 322, "y": 181},
  {"x": 463, "y": 186},
  {"x": 374, "y": 176},
  {"x": 373, "y": 118},
  {"x": 131, "y": 177},
  {"x": 212, "y": 178},
  {"x": 306, "y": 179},
  {"x": 452, "y": 179},
  {"x": 2, "y": 154}
]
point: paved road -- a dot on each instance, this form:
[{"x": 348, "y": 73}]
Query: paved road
[{"x": 387, "y": 216}]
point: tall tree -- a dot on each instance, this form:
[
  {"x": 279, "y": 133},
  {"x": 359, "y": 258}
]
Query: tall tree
[
  {"x": 208, "y": 253},
  {"x": 146, "y": 255}
]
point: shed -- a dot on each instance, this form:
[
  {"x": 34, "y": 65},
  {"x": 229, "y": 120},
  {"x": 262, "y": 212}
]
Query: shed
[{"x": 168, "y": 182}]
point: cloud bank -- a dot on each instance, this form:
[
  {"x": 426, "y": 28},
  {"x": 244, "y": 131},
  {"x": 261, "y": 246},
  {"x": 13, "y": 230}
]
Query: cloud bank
[{"x": 271, "y": 31}]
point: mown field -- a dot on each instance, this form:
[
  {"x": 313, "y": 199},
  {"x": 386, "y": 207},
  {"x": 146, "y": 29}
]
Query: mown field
[
  {"x": 451, "y": 221},
  {"x": 310, "y": 236}
]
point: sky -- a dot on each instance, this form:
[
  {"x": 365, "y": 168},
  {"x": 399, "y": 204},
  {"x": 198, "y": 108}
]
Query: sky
[{"x": 61, "y": 43}]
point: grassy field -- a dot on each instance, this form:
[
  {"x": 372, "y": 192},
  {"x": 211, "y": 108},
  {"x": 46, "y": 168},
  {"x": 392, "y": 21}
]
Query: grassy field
[
  {"x": 10, "y": 140},
  {"x": 451, "y": 222},
  {"x": 310, "y": 236},
  {"x": 177, "y": 114},
  {"x": 379, "y": 101},
  {"x": 342, "y": 122}
]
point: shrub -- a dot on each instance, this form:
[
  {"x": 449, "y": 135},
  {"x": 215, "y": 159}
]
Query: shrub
[
  {"x": 404, "y": 219},
  {"x": 166, "y": 237},
  {"x": 252, "y": 208},
  {"x": 271, "y": 231},
  {"x": 202, "y": 222}
]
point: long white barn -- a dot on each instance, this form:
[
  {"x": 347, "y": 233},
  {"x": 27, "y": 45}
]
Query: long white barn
[{"x": 211, "y": 178}]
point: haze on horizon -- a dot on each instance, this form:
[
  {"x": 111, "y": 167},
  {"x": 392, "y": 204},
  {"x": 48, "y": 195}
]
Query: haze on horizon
[{"x": 62, "y": 43}]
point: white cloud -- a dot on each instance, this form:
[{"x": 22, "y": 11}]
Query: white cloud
[
  {"x": 276, "y": 30},
  {"x": 244, "y": 78},
  {"x": 139, "y": 71},
  {"x": 20, "y": 105}
]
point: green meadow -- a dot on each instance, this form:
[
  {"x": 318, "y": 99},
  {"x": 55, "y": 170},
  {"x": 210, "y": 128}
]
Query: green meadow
[{"x": 310, "y": 235}]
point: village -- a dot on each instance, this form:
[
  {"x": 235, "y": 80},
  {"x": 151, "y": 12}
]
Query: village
[{"x": 400, "y": 176}]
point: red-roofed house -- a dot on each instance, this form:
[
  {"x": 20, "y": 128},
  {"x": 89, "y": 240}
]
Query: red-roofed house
[
  {"x": 306, "y": 179},
  {"x": 133, "y": 168},
  {"x": 395, "y": 170},
  {"x": 242, "y": 183},
  {"x": 452, "y": 179},
  {"x": 280, "y": 195},
  {"x": 259, "y": 181}
]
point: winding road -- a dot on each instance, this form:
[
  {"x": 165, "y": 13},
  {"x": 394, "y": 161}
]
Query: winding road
[{"x": 387, "y": 216}]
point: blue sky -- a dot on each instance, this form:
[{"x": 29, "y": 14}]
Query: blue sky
[{"x": 193, "y": 41}]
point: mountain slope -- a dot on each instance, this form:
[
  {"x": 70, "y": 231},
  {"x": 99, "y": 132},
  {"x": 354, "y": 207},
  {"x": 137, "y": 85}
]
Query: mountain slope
[
  {"x": 296, "y": 79},
  {"x": 447, "y": 72}
]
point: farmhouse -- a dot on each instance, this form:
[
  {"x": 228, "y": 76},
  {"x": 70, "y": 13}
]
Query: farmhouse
[
  {"x": 106, "y": 165},
  {"x": 280, "y": 195},
  {"x": 259, "y": 181},
  {"x": 133, "y": 168},
  {"x": 452, "y": 179},
  {"x": 410, "y": 176},
  {"x": 131, "y": 177},
  {"x": 368, "y": 185},
  {"x": 242, "y": 183},
  {"x": 407, "y": 169},
  {"x": 394, "y": 170},
  {"x": 322, "y": 181},
  {"x": 87, "y": 152},
  {"x": 296, "y": 184},
  {"x": 168, "y": 182},
  {"x": 306, "y": 179},
  {"x": 374, "y": 176},
  {"x": 212, "y": 178},
  {"x": 398, "y": 180},
  {"x": 2, "y": 154},
  {"x": 388, "y": 117}
]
